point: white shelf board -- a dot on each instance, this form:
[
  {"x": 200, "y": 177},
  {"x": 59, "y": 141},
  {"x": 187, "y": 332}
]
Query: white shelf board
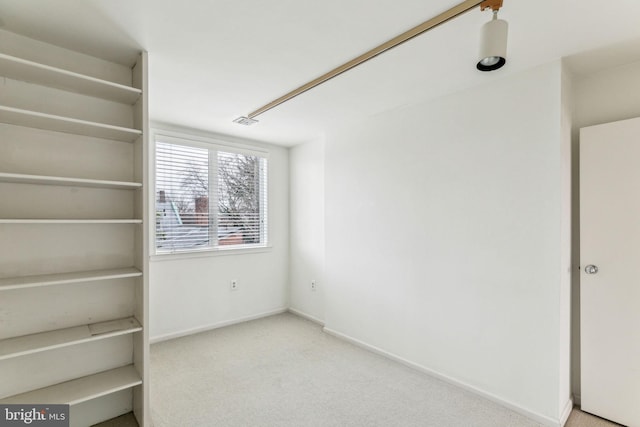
[
  {"x": 70, "y": 221},
  {"x": 33, "y": 72},
  {"x": 66, "y": 278},
  {"x": 81, "y": 389},
  {"x": 35, "y": 343},
  {"x": 34, "y": 119},
  {"x": 18, "y": 178}
]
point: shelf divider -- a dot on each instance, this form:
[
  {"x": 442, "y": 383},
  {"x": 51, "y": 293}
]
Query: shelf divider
[
  {"x": 67, "y": 278},
  {"x": 34, "y": 72},
  {"x": 43, "y": 341},
  {"x": 69, "y": 221},
  {"x": 81, "y": 389},
  {"x": 34, "y": 119},
  {"x": 18, "y": 178}
]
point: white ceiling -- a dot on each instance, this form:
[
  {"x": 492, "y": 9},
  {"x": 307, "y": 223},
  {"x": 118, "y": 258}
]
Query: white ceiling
[{"x": 212, "y": 60}]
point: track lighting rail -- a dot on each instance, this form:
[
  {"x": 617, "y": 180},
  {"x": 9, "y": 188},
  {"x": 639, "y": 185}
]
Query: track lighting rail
[{"x": 446, "y": 16}]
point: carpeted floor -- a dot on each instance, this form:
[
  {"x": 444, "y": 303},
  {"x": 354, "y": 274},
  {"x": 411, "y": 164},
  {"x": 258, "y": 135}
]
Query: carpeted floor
[
  {"x": 263, "y": 373},
  {"x": 577, "y": 419},
  {"x": 284, "y": 371},
  {"x": 582, "y": 419}
]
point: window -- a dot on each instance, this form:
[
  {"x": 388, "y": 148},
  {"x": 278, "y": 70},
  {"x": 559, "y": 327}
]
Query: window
[{"x": 209, "y": 197}]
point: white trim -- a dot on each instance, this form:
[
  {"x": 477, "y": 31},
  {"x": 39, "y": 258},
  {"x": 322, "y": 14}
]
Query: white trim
[
  {"x": 542, "y": 419},
  {"x": 209, "y": 252},
  {"x": 151, "y": 193},
  {"x": 566, "y": 412},
  {"x": 192, "y": 331},
  {"x": 306, "y": 316}
]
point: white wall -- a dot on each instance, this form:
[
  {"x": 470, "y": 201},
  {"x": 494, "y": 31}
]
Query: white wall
[
  {"x": 605, "y": 96},
  {"x": 307, "y": 231},
  {"x": 191, "y": 294},
  {"x": 444, "y": 238}
]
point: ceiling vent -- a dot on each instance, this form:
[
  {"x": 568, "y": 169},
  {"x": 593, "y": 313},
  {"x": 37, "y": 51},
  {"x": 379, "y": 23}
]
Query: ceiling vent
[{"x": 246, "y": 121}]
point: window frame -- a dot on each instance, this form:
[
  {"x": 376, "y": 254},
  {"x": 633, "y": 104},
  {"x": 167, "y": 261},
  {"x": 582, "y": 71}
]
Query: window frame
[{"x": 209, "y": 143}]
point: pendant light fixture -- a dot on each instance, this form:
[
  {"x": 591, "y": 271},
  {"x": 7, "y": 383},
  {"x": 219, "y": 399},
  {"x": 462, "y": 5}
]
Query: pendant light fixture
[
  {"x": 493, "y": 51},
  {"x": 493, "y": 40}
]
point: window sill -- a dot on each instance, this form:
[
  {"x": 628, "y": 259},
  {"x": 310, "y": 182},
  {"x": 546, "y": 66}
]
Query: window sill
[{"x": 206, "y": 253}]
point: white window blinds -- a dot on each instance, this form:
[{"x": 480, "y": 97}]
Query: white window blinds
[{"x": 209, "y": 198}]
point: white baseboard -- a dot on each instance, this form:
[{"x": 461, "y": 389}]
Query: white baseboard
[
  {"x": 306, "y": 316},
  {"x": 577, "y": 400},
  {"x": 212, "y": 326},
  {"x": 542, "y": 419},
  {"x": 566, "y": 412}
]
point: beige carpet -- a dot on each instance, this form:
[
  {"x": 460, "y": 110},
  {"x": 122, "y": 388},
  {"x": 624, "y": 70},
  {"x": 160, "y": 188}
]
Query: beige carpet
[
  {"x": 284, "y": 371},
  {"x": 577, "y": 419},
  {"x": 582, "y": 419}
]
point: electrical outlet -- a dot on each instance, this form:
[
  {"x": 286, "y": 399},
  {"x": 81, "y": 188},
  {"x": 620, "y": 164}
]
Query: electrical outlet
[
  {"x": 313, "y": 285},
  {"x": 234, "y": 285}
]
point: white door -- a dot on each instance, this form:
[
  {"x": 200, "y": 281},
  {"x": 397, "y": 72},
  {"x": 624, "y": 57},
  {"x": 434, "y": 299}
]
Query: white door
[{"x": 610, "y": 270}]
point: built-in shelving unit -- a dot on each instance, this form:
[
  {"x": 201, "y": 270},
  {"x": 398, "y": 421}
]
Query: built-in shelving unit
[
  {"x": 24, "y": 282},
  {"x": 34, "y": 119},
  {"x": 70, "y": 221},
  {"x": 34, "y": 343},
  {"x": 73, "y": 234},
  {"x": 19, "y": 178},
  {"x": 82, "y": 389},
  {"x": 23, "y": 69}
]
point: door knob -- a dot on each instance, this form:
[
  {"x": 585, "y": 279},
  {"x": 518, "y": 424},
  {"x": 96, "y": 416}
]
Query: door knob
[{"x": 591, "y": 269}]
